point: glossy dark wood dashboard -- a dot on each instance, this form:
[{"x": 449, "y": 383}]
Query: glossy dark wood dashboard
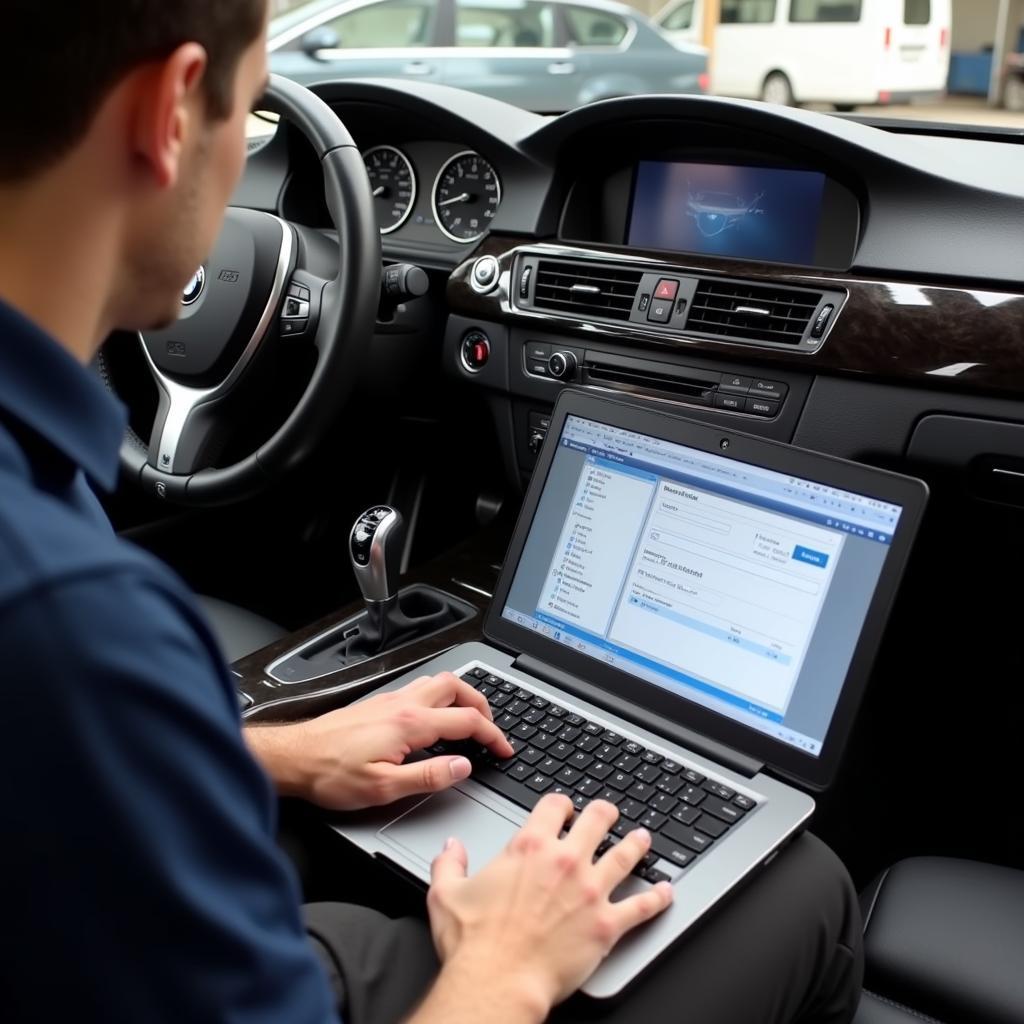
[
  {"x": 468, "y": 572},
  {"x": 919, "y": 332}
]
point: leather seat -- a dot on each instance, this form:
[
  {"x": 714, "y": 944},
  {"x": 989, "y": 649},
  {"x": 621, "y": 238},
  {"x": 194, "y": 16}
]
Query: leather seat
[
  {"x": 240, "y": 631},
  {"x": 944, "y": 942}
]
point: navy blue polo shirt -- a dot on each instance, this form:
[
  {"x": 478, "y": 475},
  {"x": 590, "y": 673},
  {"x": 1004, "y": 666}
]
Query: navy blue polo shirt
[{"x": 141, "y": 880}]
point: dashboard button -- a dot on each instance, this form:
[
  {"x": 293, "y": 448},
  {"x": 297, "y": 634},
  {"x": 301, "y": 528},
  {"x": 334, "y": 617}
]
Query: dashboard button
[
  {"x": 660, "y": 311},
  {"x": 735, "y": 385},
  {"x": 476, "y": 351},
  {"x": 734, "y": 402},
  {"x": 538, "y": 351},
  {"x": 537, "y": 369},
  {"x": 524, "y": 282},
  {"x": 760, "y": 407},
  {"x": 667, "y": 289},
  {"x": 645, "y": 301},
  {"x": 768, "y": 389}
]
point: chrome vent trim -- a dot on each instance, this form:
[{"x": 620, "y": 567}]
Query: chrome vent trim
[
  {"x": 583, "y": 288},
  {"x": 750, "y": 312}
]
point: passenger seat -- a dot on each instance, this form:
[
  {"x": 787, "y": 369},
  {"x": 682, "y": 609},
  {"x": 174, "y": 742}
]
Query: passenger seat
[{"x": 944, "y": 942}]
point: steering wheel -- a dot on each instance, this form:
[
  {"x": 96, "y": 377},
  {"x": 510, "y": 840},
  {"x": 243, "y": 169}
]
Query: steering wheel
[{"x": 261, "y": 287}]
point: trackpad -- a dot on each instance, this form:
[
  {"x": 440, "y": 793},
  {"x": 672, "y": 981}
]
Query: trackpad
[{"x": 422, "y": 832}]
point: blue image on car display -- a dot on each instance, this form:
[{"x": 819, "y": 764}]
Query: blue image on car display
[{"x": 761, "y": 213}]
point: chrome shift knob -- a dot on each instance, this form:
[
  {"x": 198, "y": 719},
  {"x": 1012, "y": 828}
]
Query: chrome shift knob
[{"x": 375, "y": 547}]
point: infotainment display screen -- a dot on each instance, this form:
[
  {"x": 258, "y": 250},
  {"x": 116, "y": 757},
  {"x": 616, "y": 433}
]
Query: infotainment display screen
[{"x": 758, "y": 213}]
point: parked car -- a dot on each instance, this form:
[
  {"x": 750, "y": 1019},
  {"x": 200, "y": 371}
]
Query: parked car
[
  {"x": 845, "y": 52},
  {"x": 543, "y": 55}
]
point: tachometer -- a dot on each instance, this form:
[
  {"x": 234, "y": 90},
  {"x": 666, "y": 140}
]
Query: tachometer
[
  {"x": 467, "y": 195},
  {"x": 393, "y": 183}
]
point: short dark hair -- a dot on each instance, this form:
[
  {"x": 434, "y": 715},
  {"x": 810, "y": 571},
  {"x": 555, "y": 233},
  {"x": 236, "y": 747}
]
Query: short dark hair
[{"x": 62, "y": 59}]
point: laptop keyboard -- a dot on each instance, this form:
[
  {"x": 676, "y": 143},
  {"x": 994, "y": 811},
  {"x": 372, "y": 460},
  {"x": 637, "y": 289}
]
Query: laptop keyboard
[{"x": 558, "y": 751}]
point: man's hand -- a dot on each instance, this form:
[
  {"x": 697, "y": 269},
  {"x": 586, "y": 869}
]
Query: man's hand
[
  {"x": 537, "y": 921},
  {"x": 352, "y": 758}
]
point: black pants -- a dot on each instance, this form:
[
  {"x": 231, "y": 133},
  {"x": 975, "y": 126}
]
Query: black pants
[{"x": 784, "y": 948}]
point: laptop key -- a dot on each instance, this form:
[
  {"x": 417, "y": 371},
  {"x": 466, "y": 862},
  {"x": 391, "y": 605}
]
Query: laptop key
[
  {"x": 513, "y": 789},
  {"x": 579, "y": 801},
  {"x": 688, "y": 837},
  {"x": 648, "y": 773},
  {"x": 539, "y": 702},
  {"x": 507, "y": 721},
  {"x": 600, "y": 770},
  {"x": 620, "y": 781},
  {"x": 723, "y": 811},
  {"x": 685, "y": 814},
  {"x": 531, "y": 755},
  {"x": 632, "y": 747},
  {"x": 504, "y": 685},
  {"x": 719, "y": 790},
  {"x": 691, "y": 776},
  {"x": 516, "y": 743},
  {"x": 551, "y": 724},
  {"x": 580, "y": 760},
  {"x": 624, "y": 826},
  {"x": 524, "y": 694},
  {"x": 569, "y": 776},
  {"x": 519, "y": 771},
  {"x": 557, "y": 712},
  {"x": 589, "y": 787},
  {"x": 631, "y": 809},
  {"x": 569, "y": 733},
  {"x": 710, "y": 826},
  {"x": 611, "y": 737},
  {"x": 663, "y": 802},
  {"x": 549, "y": 766},
  {"x": 672, "y": 851},
  {"x": 478, "y": 672},
  {"x": 576, "y": 720},
  {"x": 540, "y": 783},
  {"x": 641, "y": 791},
  {"x": 542, "y": 740},
  {"x": 607, "y": 752},
  {"x": 518, "y": 706},
  {"x": 486, "y": 690},
  {"x": 499, "y": 700},
  {"x": 588, "y": 743},
  {"x": 524, "y": 730},
  {"x": 562, "y": 750},
  {"x": 654, "y": 876},
  {"x": 652, "y": 820},
  {"x": 534, "y": 716},
  {"x": 593, "y": 728},
  {"x": 692, "y": 795},
  {"x": 744, "y": 803},
  {"x": 670, "y": 784},
  {"x": 627, "y": 763},
  {"x": 652, "y": 758}
]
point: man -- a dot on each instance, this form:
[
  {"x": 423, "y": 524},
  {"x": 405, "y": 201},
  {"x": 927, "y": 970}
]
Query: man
[{"x": 137, "y": 837}]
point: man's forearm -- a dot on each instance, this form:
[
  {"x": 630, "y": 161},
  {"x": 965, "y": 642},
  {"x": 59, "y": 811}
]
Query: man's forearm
[
  {"x": 467, "y": 993},
  {"x": 276, "y": 748}
]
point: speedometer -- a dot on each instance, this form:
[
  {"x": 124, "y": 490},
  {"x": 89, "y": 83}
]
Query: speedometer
[
  {"x": 393, "y": 183},
  {"x": 467, "y": 195}
]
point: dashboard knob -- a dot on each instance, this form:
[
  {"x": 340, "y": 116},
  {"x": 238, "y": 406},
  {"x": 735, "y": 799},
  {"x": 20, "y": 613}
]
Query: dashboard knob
[
  {"x": 562, "y": 365},
  {"x": 475, "y": 351}
]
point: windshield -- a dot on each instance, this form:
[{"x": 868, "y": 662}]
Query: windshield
[{"x": 955, "y": 61}]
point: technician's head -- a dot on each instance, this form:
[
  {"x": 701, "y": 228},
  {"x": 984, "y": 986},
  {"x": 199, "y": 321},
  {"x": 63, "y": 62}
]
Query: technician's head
[{"x": 140, "y": 107}]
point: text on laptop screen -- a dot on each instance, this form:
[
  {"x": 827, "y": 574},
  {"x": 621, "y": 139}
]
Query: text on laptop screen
[{"x": 728, "y": 584}]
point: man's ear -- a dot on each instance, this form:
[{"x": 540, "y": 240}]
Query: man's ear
[{"x": 169, "y": 106}]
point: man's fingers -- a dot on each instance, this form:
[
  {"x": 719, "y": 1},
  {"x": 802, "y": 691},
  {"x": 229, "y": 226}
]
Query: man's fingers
[
  {"x": 620, "y": 860},
  {"x": 461, "y": 724},
  {"x": 635, "y": 910},
  {"x": 593, "y": 824},
  {"x": 550, "y": 815},
  {"x": 429, "y": 776},
  {"x": 450, "y": 864},
  {"x": 446, "y": 689}
]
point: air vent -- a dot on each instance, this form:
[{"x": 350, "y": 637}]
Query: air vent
[
  {"x": 730, "y": 309},
  {"x": 586, "y": 289}
]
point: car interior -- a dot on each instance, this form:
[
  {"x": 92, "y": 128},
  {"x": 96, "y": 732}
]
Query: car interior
[{"x": 409, "y": 277}]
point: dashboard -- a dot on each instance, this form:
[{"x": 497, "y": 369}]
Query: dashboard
[{"x": 797, "y": 275}]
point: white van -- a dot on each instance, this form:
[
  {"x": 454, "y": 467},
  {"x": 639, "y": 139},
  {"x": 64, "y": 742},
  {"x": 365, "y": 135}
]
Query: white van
[{"x": 845, "y": 52}]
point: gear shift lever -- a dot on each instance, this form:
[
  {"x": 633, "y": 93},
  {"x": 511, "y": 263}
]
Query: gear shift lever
[{"x": 375, "y": 547}]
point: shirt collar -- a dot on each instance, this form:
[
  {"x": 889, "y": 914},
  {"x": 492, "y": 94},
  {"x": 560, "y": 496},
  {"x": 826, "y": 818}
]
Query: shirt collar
[{"x": 44, "y": 387}]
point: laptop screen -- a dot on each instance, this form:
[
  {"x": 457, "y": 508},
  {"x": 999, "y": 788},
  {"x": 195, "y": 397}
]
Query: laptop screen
[{"x": 727, "y": 584}]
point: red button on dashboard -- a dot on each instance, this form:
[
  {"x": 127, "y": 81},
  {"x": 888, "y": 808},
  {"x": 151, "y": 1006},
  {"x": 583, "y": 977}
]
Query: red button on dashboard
[{"x": 666, "y": 289}]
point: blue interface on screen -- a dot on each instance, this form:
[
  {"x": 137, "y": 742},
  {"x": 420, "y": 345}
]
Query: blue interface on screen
[{"x": 718, "y": 210}]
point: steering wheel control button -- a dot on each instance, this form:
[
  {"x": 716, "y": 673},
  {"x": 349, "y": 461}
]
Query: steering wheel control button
[
  {"x": 667, "y": 289},
  {"x": 476, "y": 351},
  {"x": 293, "y": 328},
  {"x": 299, "y": 291},
  {"x": 760, "y": 407},
  {"x": 296, "y": 309},
  {"x": 485, "y": 274},
  {"x": 822, "y": 321},
  {"x": 735, "y": 385},
  {"x": 562, "y": 365},
  {"x": 768, "y": 389}
]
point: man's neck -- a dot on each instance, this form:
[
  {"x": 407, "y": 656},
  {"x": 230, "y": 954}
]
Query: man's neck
[{"x": 57, "y": 251}]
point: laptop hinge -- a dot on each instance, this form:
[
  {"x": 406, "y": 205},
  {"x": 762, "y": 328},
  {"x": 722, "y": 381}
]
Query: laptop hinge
[{"x": 725, "y": 756}]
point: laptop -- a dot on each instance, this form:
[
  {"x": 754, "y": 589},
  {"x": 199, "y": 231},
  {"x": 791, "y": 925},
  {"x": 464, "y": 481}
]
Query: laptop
[{"x": 684, "y": 625}]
